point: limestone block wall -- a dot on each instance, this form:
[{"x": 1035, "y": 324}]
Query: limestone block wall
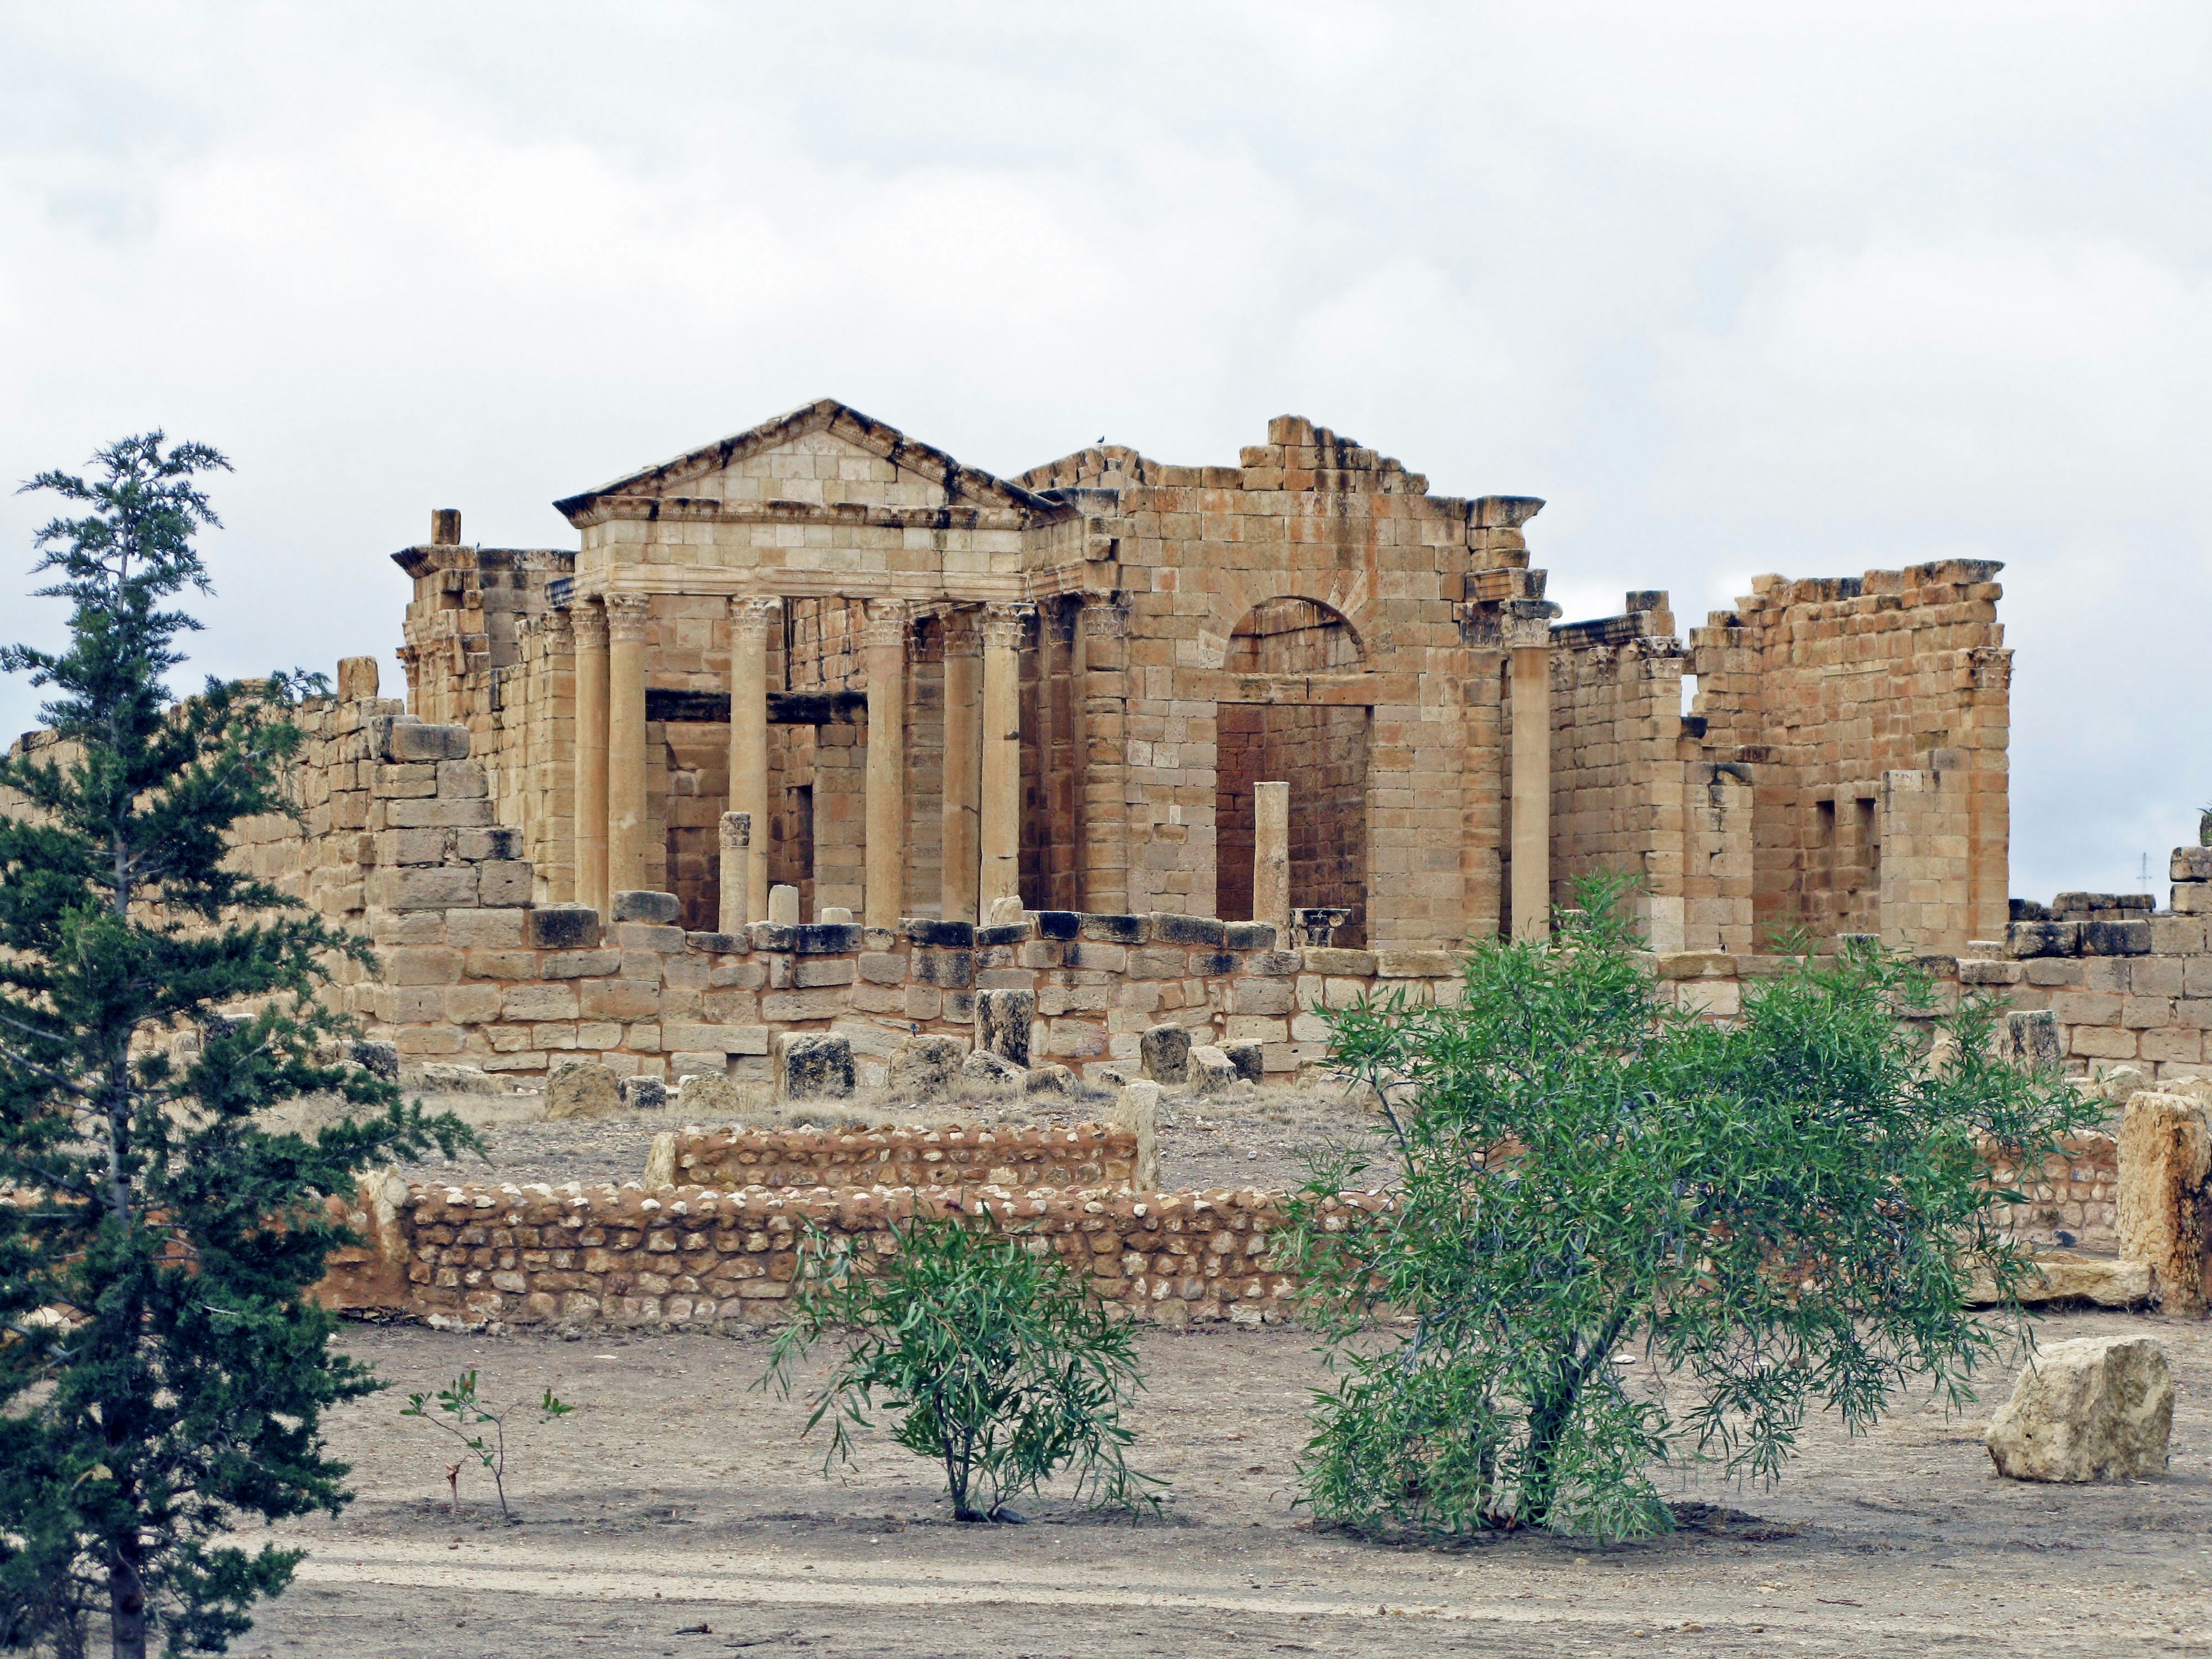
[
  {"x": 1090, "y": 1155},
  {"x": 1838, "y": 683}
]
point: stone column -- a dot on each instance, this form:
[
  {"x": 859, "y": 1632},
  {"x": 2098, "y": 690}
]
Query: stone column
[
  {"x": 749, "y": 625},
  {"x": 884, "y": 639},
  {"x": 736, "y": 877},
  {"x": 962, "y": 732},
  {"x": 590, "y": 621},
  {"x": 627, "y": 822},
  {"x": 1271, "y": 859},
  {"x": 1530, "y": 639},
  {"x": 998, "y": 829},
  {"x": 1101, "y": 697}
]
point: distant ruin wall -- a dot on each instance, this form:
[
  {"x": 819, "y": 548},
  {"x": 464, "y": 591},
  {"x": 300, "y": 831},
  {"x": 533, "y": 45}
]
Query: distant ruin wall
[{"x": 1021, "y": 1159}]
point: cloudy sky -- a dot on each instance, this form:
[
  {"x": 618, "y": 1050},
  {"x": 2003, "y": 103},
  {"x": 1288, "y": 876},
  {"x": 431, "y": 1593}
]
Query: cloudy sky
[{"x": 1737, "y": 287}]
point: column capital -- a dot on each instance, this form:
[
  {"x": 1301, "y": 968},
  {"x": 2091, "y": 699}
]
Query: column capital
[
  {"x": 1003, "y": 626},
  {"x": 557, "y": 627},
  {"x": 754, "y": 612},
  {"x": 1523, "y": 633},
  {"x": 628, "y": 614},
  {"x": 886, "y": 623},
  {"x": 590, "y": 623}
]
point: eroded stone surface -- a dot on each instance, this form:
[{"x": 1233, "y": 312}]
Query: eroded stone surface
[
  {"x": 813, "y": 1066},
  {"x": 925, "y": 1067},
  {"x": 582, "y": 1088},
  {"x": 2100, "y": 1408}
]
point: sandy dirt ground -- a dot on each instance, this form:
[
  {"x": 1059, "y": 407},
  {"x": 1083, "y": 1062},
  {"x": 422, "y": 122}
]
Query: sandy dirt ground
[{"x": 678, "y": 1512}]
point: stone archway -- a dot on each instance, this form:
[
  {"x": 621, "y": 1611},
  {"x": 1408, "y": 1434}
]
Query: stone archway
[{"x": 1319, "y": 749}]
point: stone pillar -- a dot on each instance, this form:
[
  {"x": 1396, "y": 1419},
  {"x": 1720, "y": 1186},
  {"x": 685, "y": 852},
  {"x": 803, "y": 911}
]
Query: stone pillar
[
  {"x": 627, "y": 822},
  {"x": 998, "y": 827},
  {"x": 1531, "y": 643},
  {"x": 590, "y": 621},
  {"x": 1101, "y": 673},
  {"x": 1271, "y": 859},
  {"x": 885, "y": 893},
  {"x": 749, "y": 625},
  {"x": 736, "y": 876},
  {"x": 963, "y": 732}
]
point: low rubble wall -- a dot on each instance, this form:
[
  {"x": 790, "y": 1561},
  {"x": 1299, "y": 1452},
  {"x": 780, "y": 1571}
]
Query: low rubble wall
[
  {"x": 1090, "y": 1156},
  {"x": 692, "y": 1256},
  {"x": 2073, "y": 1201}
]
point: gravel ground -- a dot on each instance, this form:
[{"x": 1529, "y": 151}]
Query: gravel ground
[{"x": 682, "y": 1511}]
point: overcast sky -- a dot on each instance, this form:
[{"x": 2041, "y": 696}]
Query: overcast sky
[{"x": 1737, "y": 287}]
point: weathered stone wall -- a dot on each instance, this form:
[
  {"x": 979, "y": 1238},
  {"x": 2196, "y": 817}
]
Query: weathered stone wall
[
  {"x": 692, "y": 1256},
  {"x": 1880, "y": 701},
  {"x": 1090, "y": 1155},
  {"x": 2072, "y": 1200}
]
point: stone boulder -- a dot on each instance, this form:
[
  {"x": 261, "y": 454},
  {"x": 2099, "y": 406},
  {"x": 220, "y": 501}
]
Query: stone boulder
[
  {"x": 378, "y": 1059},
  {"x": 925, "y": 1067},
  {"x": 1249, "y": 1058},
  {"x": 1003, "y": 1020},
  {"x": 1050, "y": 1079},
  {"x": 1211, "y": 1072},
  {"x": 1165, "y": 1051},
  {"x": 2101, "y": 1409},
  {"x": 442, "y": 1078},
  {"x": 812, "y": 1066},
  {"x": 709, "y": 1098},
  {"x": 991, "y": 1071},
  {"x": 581, "y": 1088}
]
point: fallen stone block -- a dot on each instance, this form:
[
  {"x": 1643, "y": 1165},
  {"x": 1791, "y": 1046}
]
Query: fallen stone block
[
  {"x": 377, "y": 1059},
  {"x": 2164, "y": 1202},
  {"x": 582, "y": 1088},
  {"x": 645, "y": 1094},
  {"x": 1211, "y": 1072},
  {"x": 1003, "y": 1020},
  {"x": 1050, "y": 1079},
  {"x": 1165, "y": 1051},
  {"x": 1138, "y": 1110},
  {"x": 1251, "y": 1060},
  {"x": 442, "y": 1077},
  {"x": 2101, "y": 1409},
  {"x": 812, "y": 1066},
  {"x": 925, "y": 1067},
  {"x": 2071, "y": 1276},
  {"x": 643, "y": 905},
  {"x": 983, "y": 1069},
  {"x": 709, "y": 1098}
]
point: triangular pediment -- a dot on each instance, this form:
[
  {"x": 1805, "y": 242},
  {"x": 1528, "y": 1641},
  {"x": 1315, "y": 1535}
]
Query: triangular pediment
[{"x": 826, "y": 454}]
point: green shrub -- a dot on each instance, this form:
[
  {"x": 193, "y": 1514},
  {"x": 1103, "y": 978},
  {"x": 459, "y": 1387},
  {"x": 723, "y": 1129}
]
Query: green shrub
[
  {"x": 1785, "y": 1213},
  {"x": 986, "y": 1352}
]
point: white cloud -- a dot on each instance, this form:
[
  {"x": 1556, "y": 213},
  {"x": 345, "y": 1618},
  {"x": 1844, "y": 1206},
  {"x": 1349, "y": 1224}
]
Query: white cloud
[{"x": 1737, "y": 287}]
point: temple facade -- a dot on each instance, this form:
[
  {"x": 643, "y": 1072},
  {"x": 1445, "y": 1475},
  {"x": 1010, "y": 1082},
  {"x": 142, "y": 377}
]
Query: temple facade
[{"x": 934, "y": 693}]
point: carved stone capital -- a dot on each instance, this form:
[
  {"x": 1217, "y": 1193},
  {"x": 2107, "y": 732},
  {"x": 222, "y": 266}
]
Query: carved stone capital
[
  {"x": 589, "y": 620},
  {"x": 627, "y": 617},
  {"x": 754, "y": 614},
  {"x": 1105, "y": 615},
  {"x": 1003, "y": 626},
  {"x": 886, "y": 624}
]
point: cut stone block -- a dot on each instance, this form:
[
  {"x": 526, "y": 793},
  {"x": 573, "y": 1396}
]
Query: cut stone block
[
  {"x": 925, "y": 1067},
  {"x": 812, "y": 1066},
  {"x": 2101, "y": 1409},
  {"x": 783, "y": 905},
  {"x": 708, "y": 1097},
  {"x": 1138, "y": 1110},
  {"x": 984, "y": 1070},
  {"x": 582, "y": 1088},
  {"x": 1050, "y": 1079},
  {"x": 2031, "y": 1041},
  {"x": 659, "y": 909},
  {"x": 1211, "y": 1072},
  {"x": 1249, "y": 1058},
  {"x": 2165, "y": 1206},
  {"x": 1003, "y": 1021},
  {"x": 645, "y": 1094},
  {"x": 564, "y": 927},
  {"x": 378, "y": 1059},
  {"x": 1165, "y": 1051}
]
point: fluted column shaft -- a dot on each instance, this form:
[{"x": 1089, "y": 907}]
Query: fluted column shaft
[
  {"x": 749, "y": 625},
  {"x": 628, "y": 825},
  {"x": 884, "y": 641},
  {"x": 589, "y": 812}
]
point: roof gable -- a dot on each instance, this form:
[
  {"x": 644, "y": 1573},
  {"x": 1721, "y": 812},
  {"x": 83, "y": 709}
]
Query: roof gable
[{"x": 746, "y": 467}]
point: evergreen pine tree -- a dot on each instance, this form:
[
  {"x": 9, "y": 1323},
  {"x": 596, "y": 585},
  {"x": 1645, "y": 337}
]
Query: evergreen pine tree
[{"x": 162, "y": 1376}]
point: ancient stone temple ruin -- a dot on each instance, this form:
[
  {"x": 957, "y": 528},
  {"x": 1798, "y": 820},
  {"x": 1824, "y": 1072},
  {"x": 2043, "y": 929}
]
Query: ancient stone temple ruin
[{"x": 937, "y": 695}]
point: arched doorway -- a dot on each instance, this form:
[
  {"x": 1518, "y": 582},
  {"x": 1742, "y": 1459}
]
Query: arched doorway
[{"x": 1319, "y": 749}]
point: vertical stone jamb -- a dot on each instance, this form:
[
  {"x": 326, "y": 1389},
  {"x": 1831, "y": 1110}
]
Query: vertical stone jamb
[
  {"x": 736, "y": 879},
  {"x": 629, "y": 616},
  {"x": 999, "y": 827},
  {"x": 884, "y": 637},
  {"x": 1271, "y": 858},
  {"x": 962, "y": 732},
  {"x": 590, "y": 621},
  {"x": 1101, "y": 798},
  {"x": 1530, "y": 639},
  {"x": 749, "y": 625}
]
